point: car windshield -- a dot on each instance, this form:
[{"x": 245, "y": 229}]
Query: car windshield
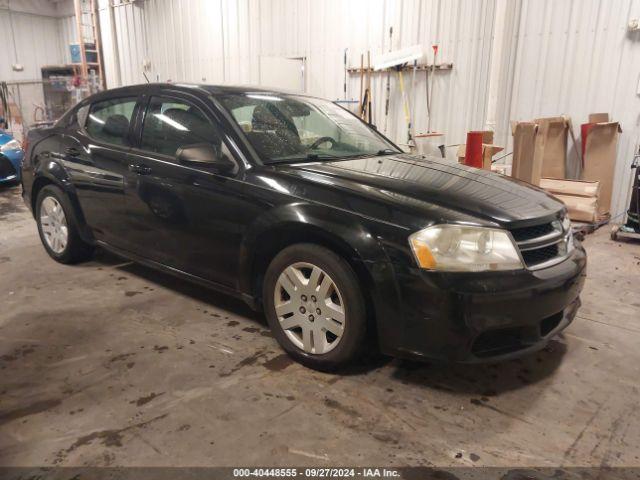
[{"x": 289, "y": 128}]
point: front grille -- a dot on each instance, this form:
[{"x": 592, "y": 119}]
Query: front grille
[
  {"x": 539, "y": 255},
  {"x": 529, "y": 233},
  {"x": 540, "y": 244},
  {"x": 6, "y": 168}
]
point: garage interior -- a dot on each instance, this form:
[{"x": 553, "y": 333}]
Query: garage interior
[{"x": 111, "y": 364}]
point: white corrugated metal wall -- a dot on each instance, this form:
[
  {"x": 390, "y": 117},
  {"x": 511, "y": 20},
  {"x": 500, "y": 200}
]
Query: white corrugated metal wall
[
  {"x": 220, "y": 41},
  {"x": 30, "y": 38},
  {"x": 552, "y": 57},
  {"x": 574, "y": 57}
]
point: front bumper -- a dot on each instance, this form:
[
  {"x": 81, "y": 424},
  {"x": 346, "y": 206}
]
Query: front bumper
[
  {"x": 10, "y": 163},
  {"x": 474, "y": 317}
]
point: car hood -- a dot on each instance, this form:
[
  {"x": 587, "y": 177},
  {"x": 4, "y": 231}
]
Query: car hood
[
  {"x": 404, "y": 178},
  {"x": 5, "y": 137}
]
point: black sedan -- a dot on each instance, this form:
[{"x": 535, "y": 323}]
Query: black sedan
[{"x": 301, "y": 209}]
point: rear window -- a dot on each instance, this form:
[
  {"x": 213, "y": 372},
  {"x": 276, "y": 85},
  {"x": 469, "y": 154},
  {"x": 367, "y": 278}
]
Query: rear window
[{"x": 108, "y": 121}]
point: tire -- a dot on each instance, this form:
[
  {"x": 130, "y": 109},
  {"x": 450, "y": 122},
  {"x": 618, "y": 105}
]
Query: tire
[
  {"x": 74, "y": 249},
  {"x": 320, "y": 313}
]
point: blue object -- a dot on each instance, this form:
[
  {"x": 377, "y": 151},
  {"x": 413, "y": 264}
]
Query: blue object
[
  {"x": 11, "y": 155},
  {"x": 76, "y": 56}
]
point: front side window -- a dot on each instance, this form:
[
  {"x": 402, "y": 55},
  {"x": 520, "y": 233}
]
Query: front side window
[
  {"x": 170, "y": 124},
  {"x": 109, "y": 120},
  {"x": 288, "y": 128}
]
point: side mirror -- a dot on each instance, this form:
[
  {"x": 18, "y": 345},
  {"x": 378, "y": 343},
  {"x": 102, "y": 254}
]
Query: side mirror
[{"x": 205, "y": 155}]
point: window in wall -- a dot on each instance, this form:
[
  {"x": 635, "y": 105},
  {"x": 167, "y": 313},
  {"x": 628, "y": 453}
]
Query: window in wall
[{"x": 109, "y": 120}]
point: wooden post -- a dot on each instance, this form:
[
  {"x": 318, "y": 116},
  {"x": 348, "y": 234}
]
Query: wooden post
[{"x": 83, "y": 55}]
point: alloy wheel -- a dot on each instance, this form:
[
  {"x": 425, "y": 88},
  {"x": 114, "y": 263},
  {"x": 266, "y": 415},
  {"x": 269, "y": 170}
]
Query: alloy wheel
[
  {"x": 54, "y": 225},
  {"x": 310, "y": 308}
]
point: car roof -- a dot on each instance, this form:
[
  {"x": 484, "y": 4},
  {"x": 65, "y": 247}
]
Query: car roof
[{"x": 196, "y": 87}]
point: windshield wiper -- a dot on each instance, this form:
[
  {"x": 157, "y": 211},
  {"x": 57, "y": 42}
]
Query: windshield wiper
[
  {"x": 310, "y": 157},
  {"x": 318, "y": 156}
]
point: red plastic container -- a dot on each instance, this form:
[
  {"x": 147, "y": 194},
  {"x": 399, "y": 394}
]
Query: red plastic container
[{"x": 473, "y": 152}]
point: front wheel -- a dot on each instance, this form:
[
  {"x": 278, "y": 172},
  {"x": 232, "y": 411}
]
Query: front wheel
[
  {"x": 57, "y": 227},
  {"x": 314, "y": 306}
]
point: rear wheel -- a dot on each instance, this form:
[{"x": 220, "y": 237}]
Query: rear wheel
[
  {"x": 314, "y": 306},
  {"x": 57, "y": 228}
]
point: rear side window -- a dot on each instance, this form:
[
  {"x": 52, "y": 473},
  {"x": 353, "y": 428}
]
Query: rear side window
[
  {"x": 108, "y": 121},
  {"x": 170, "y": 124}
]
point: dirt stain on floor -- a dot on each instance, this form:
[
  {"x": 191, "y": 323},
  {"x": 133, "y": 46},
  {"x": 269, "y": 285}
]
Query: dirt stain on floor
[
  {"x": 109, "y": 438},
  {"x": 33, "y": 409},
  {"x": 19, "y": 352},
  {"x": 278, "y": 363},
  {"x": 144, "y": 400},
  {"x": 251, "y": 360},
  {"x": 10, "y": 202}
]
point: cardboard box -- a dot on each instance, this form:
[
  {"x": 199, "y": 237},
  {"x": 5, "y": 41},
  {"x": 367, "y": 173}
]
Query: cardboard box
[
  {"x": 488, "y": 151},
  {"x": 552, "y": 140},
  {"x": 598, "y": 118},
  {"x": 487, "y": 137},
  {"x": 580, "y": 188},
  {"x": 527, "y": 166},
  {"x": 581, "y": 209},
  {"x": 600, "y": 160}
]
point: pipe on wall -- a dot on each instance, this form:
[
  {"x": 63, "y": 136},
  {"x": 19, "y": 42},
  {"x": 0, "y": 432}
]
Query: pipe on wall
[{"x": 114, "y": 43}]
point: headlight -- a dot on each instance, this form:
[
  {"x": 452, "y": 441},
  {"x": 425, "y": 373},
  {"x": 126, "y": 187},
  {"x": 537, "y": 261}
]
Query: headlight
[
  {"x": 464, "y": 249},
  {"x": 10, "y": 145},
  {"x": 566, "y": 223}
]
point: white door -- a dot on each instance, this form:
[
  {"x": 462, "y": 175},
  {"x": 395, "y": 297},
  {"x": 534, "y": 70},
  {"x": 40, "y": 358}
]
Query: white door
[{"x": 282, "y": 73}]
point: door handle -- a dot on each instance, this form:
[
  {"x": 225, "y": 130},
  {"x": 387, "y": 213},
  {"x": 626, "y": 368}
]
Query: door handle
[
  {"x": 72, "y": 151},
  {"x": 140, "y": 169}
]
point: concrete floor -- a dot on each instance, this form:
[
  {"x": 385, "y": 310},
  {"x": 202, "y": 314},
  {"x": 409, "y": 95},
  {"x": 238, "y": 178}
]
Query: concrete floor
[{"x": 109, "y": 363}]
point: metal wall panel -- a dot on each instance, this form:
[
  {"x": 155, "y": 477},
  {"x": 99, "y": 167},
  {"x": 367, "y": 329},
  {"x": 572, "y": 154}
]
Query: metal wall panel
[
  {"x": 556, "y": 57},
  {"x": 32, "y": 40},
  {"x": 574, "y": 57},
  {"x": 221, "y": 41},
  {"x": 37, "y": 43},
  {"x": 67, "y": 33}
]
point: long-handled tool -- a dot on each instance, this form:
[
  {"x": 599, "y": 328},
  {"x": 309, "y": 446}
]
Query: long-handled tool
[
  {"x": 388, "y": 87},
  {"x": 369, "y": 101},
  {"x": 407, "y": 112},
  {"x": 413, "y": 102},
  {"x": 344, "y": 86},
  {"x": 365, "y": 106},
  {"x": 361, "y": 82},
  {"x": 430, "y": 82}
]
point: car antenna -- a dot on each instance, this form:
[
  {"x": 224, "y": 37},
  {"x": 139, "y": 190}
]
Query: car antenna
[{"x": 145, "y": 77}]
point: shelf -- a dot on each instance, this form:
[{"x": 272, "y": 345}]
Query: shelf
[{"x": 405, "y": 68}]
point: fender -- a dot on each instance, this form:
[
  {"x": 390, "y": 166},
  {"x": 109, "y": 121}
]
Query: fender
[
  {"x": 50, "y": 170},
  {"x": 351, "y": 235}
]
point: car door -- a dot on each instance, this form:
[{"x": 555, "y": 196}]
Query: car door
[
  {"x": 94, "y": 152},
  {"x": 188, "y": 218}
]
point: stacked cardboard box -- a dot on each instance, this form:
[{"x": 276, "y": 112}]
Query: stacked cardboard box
[
  {"x": 540, "y": 148},
  {"x": 580, "y": 197},
  {"x": 599, "y": 156},
  {"x": 540, "y": 153}
]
